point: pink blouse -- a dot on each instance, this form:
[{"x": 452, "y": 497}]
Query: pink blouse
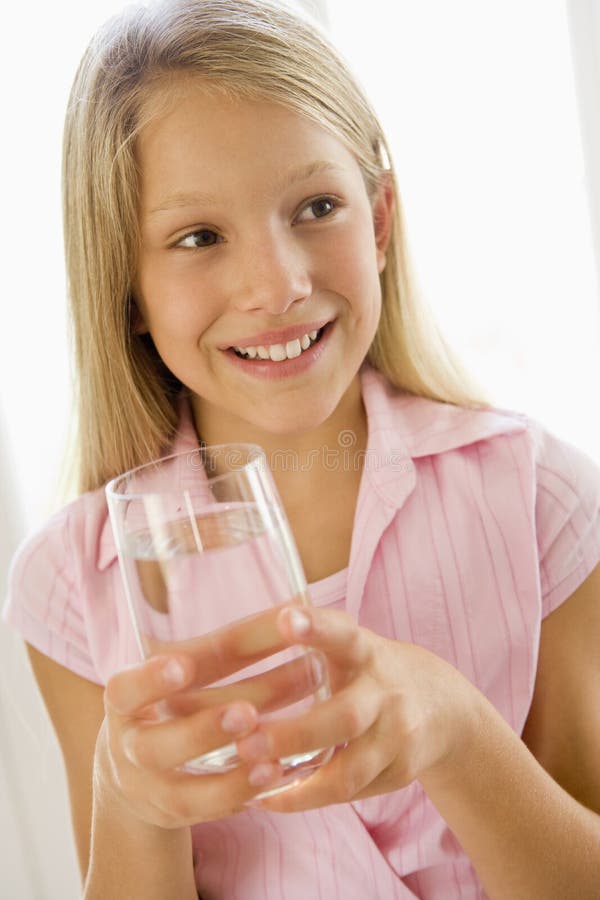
[{"x": 470, "y": 527}]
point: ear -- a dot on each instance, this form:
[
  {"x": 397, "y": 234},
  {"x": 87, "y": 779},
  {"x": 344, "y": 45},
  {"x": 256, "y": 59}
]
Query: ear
[
  {"x": 383, "y": 208},
  {"x": 136, "y": 319}
]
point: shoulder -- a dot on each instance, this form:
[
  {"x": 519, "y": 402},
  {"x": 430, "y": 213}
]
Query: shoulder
[
  {"x": 428, "y": 427},
  {"x": 565, "y": 475},
  {"x": 557, "y": 480},
  {"x": 507, "y": 459},
  {"x": 567, "y": 515},
  {"x": 425, "y": 427},
  {"x": 64, "y": 542},
  {"x": 46, "y": 596}
]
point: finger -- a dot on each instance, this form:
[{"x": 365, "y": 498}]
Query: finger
[
  {"x": 351, "y": 774},
  {"x": 341, "y": 718},
  {"x": 184, "y": 799},
  {"x": 332, "y": 631},
  {"x": 282, "y": 685},
  {"x": 136, "y": 687},
  {"x": 227, "y": 650},
  {"x": 174, "y": 742}
]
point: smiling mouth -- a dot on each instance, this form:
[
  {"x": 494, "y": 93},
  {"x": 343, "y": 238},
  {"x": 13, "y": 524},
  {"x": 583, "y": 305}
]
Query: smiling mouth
[{"x": 280, "y": 352}]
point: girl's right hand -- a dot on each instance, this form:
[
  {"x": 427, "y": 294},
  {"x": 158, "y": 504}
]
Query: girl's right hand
[{"x": 138, "y": 754}]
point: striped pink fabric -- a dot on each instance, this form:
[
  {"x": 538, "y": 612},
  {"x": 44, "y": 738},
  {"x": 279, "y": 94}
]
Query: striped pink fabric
[{"x": 470, "y": 528}]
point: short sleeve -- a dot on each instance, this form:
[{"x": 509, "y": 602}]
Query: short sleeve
[
  {"x": 42, "y": 603},
  {"x": 567, "y": 511}
]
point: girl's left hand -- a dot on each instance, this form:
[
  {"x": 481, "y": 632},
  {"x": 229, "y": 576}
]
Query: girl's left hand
[{"x": 400, "y": 710}]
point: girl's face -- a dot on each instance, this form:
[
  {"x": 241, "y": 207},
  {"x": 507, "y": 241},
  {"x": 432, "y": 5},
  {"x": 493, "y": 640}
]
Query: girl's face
[{"x": 256, "y": 230}]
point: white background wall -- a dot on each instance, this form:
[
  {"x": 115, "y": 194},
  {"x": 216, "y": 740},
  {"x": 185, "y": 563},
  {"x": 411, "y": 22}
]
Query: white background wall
[
  {"x": 502, "y": 193},
  {"x": 479, "y": 100}
]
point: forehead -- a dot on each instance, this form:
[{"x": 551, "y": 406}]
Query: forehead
[{"x": 196, "y": 129}]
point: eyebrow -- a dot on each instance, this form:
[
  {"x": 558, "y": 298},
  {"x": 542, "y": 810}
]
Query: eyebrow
[{"x": 181, "y": 199}]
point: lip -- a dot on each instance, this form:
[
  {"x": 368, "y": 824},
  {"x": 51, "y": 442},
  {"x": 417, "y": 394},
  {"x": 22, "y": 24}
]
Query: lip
[
  {"x": 266, "y": 369},
  {"x": 283, "y": 336}
]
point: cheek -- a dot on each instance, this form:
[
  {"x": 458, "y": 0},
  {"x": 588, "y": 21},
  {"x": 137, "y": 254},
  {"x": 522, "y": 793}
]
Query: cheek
[
  {"x": 357, "y": 274},
  {"x": 176, "y": 307}
]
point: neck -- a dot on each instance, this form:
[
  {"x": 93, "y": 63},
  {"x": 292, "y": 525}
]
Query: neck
[{"x": 302, "y": 463}]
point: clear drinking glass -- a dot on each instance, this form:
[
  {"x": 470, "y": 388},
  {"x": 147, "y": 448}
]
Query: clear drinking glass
[{"x": 203, "y": 542}]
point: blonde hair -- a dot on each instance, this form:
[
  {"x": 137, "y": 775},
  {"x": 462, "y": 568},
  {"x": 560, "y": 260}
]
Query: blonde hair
[{"x": 125, "y": 396}]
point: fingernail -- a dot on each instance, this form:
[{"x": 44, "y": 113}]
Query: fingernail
[
  {"x": 298, "y": 621},
  {"x": 173, "y": 672},
  {"x": 236, "y": 718},
  {"x": 262, "y": 774}
]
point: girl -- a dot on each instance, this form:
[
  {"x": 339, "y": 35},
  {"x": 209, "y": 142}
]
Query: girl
[{"x": 237, "y": 273}]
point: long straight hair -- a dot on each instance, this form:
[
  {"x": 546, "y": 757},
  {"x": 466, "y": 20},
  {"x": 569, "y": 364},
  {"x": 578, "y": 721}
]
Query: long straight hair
[{"x": 125, "y": 396}]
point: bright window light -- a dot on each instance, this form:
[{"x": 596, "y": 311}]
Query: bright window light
[
  {"x": 478, "y": 100},
  {"x": 34, "y": 369},
  {"x": 479, "y": 103}
]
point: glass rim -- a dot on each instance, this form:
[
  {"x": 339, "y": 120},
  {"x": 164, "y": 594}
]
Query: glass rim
[{"x": 111, "y": 491}]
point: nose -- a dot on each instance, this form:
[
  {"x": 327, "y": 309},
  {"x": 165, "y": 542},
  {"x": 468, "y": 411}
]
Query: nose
[{"x": 271, "y": 274}]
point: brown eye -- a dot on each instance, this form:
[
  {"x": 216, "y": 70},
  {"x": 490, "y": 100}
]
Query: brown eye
[
  {"x": 204, "y": 237},
  {"x": 319, "y": 208},
  {"x": 322, "y": 207}
]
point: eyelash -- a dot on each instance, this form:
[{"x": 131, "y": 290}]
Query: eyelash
[
  {"x": 327, "y": 198},
  {"x": 179, "y": 244}
]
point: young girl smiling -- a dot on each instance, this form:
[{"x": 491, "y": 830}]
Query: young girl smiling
[{"x": 237, "y": 272}]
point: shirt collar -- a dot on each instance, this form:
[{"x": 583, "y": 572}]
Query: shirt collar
[{"x": 401, "y": 428}]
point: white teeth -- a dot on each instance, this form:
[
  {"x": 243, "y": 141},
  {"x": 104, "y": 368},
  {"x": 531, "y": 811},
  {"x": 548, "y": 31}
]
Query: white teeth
[
  {"x": 279, "y": 352},
  {"x": 293, "y": 349}
]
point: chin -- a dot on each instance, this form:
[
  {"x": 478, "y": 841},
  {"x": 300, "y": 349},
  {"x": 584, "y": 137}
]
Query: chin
[{"x": 295, "y": 421}]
